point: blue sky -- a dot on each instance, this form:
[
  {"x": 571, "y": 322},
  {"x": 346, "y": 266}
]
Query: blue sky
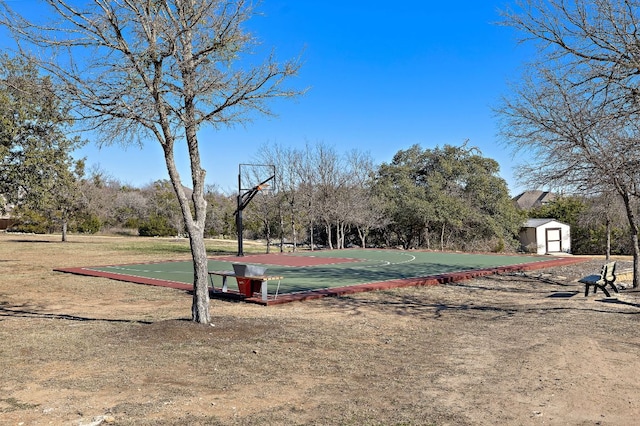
[{"x": 381, "y": 78}]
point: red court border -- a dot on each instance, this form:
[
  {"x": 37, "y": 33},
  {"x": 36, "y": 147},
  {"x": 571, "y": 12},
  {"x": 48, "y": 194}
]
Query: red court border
[{"x": 334, "y": 291}]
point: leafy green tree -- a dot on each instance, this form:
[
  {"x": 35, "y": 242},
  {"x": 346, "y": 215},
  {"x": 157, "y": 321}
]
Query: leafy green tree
[
  {"x": 449, "y": 196},
  {"x": 37, "y": 172},
  {"x": 564, "y": 209},
  {"x": 400, "y": 186}
]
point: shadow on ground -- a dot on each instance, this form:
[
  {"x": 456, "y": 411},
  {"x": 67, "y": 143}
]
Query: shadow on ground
[
  {"x": 19, "y": 311},
  {"x": 493, "y": 297}
]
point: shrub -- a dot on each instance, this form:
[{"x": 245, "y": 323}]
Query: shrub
[
  {"x": 156, "y": 226},
  {"x": 89, "y": 224}
]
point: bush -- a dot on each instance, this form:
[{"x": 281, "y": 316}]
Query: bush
[
  {"x": 156, "y": 226},
  {"x": 89, "y": 224},
  {"x": 499, "y": 246},
  {"x": 593, "y": 240},
  {"x": 29, "y": 221}
]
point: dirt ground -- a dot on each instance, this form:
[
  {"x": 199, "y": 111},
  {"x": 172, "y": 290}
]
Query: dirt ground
[{"x": 521, "y": 349}]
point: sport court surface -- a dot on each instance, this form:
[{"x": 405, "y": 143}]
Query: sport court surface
[{"x": 309, "y": 275}]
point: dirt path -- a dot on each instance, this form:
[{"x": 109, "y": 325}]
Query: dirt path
[{"x": 513, "y": 349}]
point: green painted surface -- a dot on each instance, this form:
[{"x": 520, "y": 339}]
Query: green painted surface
[{"x": 372, "y": 266}]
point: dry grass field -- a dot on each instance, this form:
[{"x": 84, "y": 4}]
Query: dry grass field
[{"x": 510, "y": 349}]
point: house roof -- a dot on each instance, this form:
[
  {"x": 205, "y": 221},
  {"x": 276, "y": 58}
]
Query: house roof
[{"x": 531, "y": 199}]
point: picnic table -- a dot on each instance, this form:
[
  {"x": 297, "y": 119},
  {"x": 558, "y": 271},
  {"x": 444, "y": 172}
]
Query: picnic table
[{"x": 247, "y": 284}]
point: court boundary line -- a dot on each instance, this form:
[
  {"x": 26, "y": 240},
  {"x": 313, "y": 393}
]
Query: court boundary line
[{"x": 428, "y": 280}]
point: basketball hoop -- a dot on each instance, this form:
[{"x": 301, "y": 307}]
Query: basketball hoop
[{"x": 252, "y": 179}]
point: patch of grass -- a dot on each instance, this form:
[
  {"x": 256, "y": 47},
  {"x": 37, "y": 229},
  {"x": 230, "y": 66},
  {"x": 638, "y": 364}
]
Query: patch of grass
[
  {"x": 181, "y": 246},
  {"x": 13, "y": 405},
  {"x": 160, "y": 247}
]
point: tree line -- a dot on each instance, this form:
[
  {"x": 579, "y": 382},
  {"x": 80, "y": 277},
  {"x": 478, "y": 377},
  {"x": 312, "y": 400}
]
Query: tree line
[{"x": 445, "y": 198}]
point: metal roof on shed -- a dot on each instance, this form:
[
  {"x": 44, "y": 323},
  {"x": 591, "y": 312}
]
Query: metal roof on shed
[{"x": 535, "y": 223}]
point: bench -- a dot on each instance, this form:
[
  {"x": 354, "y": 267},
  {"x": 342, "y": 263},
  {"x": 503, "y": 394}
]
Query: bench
[
  {"x": 247, "y": 285},
  {"x": 606, "y": 278}
]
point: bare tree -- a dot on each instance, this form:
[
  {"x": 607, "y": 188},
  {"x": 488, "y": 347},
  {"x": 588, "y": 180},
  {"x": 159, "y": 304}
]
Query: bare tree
[
  {"x": 307, "y": 181},
  {"x": 139, "y": 69},
  {"x": 285, "y": 199},
  {"x": 605, "y": 207},
  {"x": 577, "y": 112},
  {"x": 576, "y": 143},
  {"x": 367, "y": 211},
  {"x": 591, "y": 41},
  {"x": 318, "y": 184},
  {"x": 328, "y": 171}
]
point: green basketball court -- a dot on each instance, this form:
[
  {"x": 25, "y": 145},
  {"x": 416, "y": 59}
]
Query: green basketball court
[{"x": 331, "y": 272}]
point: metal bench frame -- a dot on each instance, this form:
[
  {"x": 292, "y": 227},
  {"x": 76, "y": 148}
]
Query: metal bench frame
[
  {"x": 607, "y": 278},
  {"x": 263, "y": 279}
]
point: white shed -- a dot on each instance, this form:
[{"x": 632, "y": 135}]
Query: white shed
[{"x": 546, "y": 236}]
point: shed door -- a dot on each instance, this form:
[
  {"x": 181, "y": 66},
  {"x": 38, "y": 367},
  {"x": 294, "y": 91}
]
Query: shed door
[{"x": 554, "y": 240}]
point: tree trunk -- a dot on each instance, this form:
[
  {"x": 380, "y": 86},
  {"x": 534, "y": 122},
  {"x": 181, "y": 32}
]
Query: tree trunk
[
  {"x": 267, "y": 232},
  {"x": 427, "y": 237},
  {"x": 636, "y": 259},
  {"x": 634, "y": 233},
  {"x": 294, "y": 234},
  {"x": 195, "y": 224},
  {"x": 64, "y": 230},
  {"x": 406, "y": 243},
  {"x": 329, "y": 236},
  {"x": 608, "y": 254},
  {"x": 200, "y": 301},
  {"x": 363, "y": 236},
  {"x": 281, "y": 214}
]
